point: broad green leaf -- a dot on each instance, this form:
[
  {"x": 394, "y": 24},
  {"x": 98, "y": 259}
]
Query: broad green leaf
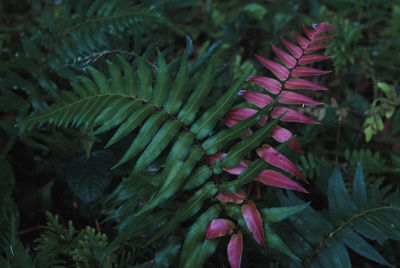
[
  {"x": 308, "y": 222},
  {"x": 162, "y": 84},
  {"x": 277, "y": 214},
  {"x": 250, "y": 173},
  {"x": 179, "y": 150},
  {"x": 359, "y": 245},
  {"x": 359, "y": 189},
  {"x": 144, "y": 75},
  {"x": 385, "y": 88},
  {"x": 325, "y": 258},
  {"x": 130, "y": 83},
  {"x": 169, "y": 187},
  {"x": 160, "y": 141},
  {"x": 168, "y": 255},
  {"x": 120, "y": 116},
  {"x": 191, "y": 207},
  {"x": 340, "y": 204},
  {"x": 88, "y": 178},
  {"x": 216, "y": 142},
  {"x": 339, "y": 251},
  {"x": 93, "y": 109},
  {"x": 80, "y": 90},
  {"x": 19, "y": 257},
  {"x": 202, "y": 253},
  {"x": 100, "y": 79},
  {"x": 177, "y": 90},
  {"x": 116, "y": 78},
  {"x": 243, "y": 147},
  {"x": 198, "y": 177},
  {"x": 174, "y": 178},
  {"x": 275, "y": 242},
  {"x": 136, "y": 226},
  {"x": 207, "y": 121},
  {"x": 108, "y": 112},
  {"x": 144, "y": 136},
  {"x": 196, "y": 99},
  {"x": 204, "y": 58},
  {"x": 131, "y": 123},
  {"x": 195, "y": 235}
]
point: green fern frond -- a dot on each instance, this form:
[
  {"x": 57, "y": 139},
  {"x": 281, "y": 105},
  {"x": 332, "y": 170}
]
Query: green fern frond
[
  {"x": 165, "y": 115},
  {"x": 325, "y": 239}
]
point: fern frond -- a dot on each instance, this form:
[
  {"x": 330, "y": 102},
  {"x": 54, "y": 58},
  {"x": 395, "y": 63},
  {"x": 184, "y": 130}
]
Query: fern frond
[
  {"x": 129, "y": 100},
  {"x": 325, "y": 239}
]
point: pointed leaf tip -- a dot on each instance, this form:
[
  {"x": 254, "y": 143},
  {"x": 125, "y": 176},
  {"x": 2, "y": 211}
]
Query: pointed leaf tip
[
  {"x": 314, "y": 48},
  {"x": 269, "y": 84},
  {"x": 310, "y": 33},
  {"x": 322, "y": 38},
  {"x": 259, "y": 99},
  {"x": 298, "y": 83},
  {"x": 291, "y": 116},
  {"x": 295, "y": 50},
  {"x": 307, "y": 71},
  {"x": 323, "y": 27},
  {"x": 281, "y": 72},
  {"x": 218, "y": 228},
  {"x": 236, "y": 198},
  {"x": 235, "y": 249},
  {"x": 236, "y": 170},
  {"x": 290, "y": 97},
  {"x": 288, "y": 60},
  {"x": 254, "y": 222},
  {"x": 276, "y": 179},
  {"x": 276, "y": 159},
  {"x": 282, "y": 135},
  {"x": 214, "y": 157},
  {"x": 312, "y": 58},
  {"x": 302, "y": 41}
]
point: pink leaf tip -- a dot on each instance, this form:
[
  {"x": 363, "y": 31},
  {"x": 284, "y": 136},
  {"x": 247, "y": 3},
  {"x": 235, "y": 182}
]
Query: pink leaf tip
[
  {"x": 281, "y": 72},
  {"x": 235, "y": 249},
  {"x": 219, "y": 227},
  {"x": 254, "y": 222},
  {"x": 288, "y": 60},
  {"x": 236, "y": 198},
  {"x": 269, "y": 84},
  {"x": 274, "y": 178},
  {"x": 276, "y": 159}
]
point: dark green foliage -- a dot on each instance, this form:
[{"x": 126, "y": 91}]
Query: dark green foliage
[
  {"x": 350, "y": 220},
  {"x": 107, "y": 118}
]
